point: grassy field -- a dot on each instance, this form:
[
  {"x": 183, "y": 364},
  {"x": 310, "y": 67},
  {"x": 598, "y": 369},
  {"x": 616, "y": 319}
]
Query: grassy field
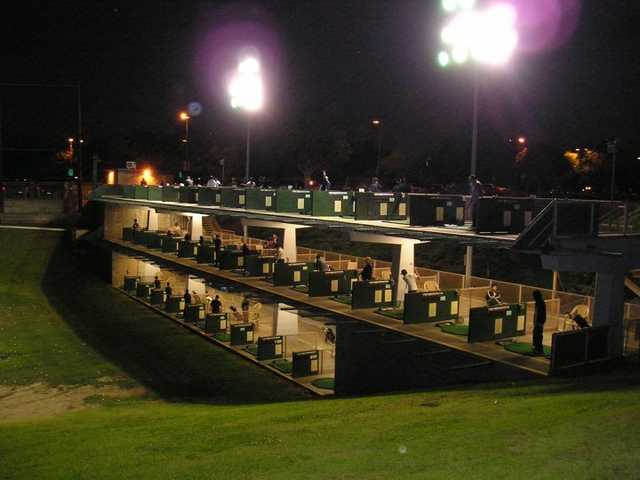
[{"x": 209, "y": 414}]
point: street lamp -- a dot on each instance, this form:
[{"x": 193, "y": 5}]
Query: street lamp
[
  {"x": 378, "y": 124},
  {"x": 246, "y": 93},
  {"x": 184, "y": 116},
  {"x": 486, "y": 37}
]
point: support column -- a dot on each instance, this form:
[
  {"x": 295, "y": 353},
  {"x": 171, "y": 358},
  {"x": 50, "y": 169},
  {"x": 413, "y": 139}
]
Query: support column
[
  {"x": 468, "y": 266},
  {"x": 195, "y": 227},
  {"x": 554, "y": 286},
  {"x": 289, "y": 243},
  {"x": 152, "y": 220},
  {"x": 402, "y": 252},
  {"x": 609, "y": 308},
  {"x": 288, "y": 238},
  {"x": 402, "y": 259}
]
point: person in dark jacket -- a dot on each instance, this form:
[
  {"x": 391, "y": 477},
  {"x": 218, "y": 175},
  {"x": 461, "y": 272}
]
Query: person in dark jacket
[
  {"x": 217, "y": 245},
  {"x": 367, "y": 271},
  {"x": 216, "y": 305},
  {"x": 187, "y": 297},
  {"x": 475, "y": 192},
  {"x": 156, "y": 283},
  {"x": 168, "y": 291},
  {"x": 539, "y": 319}
]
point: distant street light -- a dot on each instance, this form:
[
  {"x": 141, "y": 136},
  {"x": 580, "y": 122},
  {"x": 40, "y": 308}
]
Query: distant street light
[
  {"x": 378, "y": 124},
  {"x": 522, "y": 140},
  {"x": 184, "y": 116},
  {"x": 246, "y": 93},
  {"x": 487, "y": 37}
]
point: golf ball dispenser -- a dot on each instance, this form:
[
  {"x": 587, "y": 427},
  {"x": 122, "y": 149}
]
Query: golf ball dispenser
[
  {"x": 261, "y": 199},
  {"x": 380, "y": 206},
  {"x": 502, "y": 214},
  {"x": 156, "y": 297},
  {"x": 127, "y": 234},
  {"x": 231, "y": 259},
  {"x": 143, "y": 290},
  {"x": 216, "y": 323},
  {"x": 171, "y": 194},
  {"x": 242, "y": 333},
  {"x": 436, "y": 210},
  {"x": 495, "y": 323},
  {"x": 332, "y": 204},
  {"x": 188, "y": 195},
  {"x": 270, "y": 348},
  {"x": 332, "y": 282},
  {"x": 377, "y": 293},
  {"x": 194, "y": 313},
  {"x": 187, "y": 249},
  {"x": 209, "y": 196},
  {"x": 290, "y": 274},
  {"x": 259, "y": 265},
  {"x": 294, "y": 201},
  {"x": 233, "y": 197},
  {"x": 425, "y": 307},
  {"x": 130, "y": 283},
  {"x": 170, "y": 244},
  {"x": 305, "y": 364},
  {"x": 175, "y": 304},
  {"x": 206, "y": 253}
]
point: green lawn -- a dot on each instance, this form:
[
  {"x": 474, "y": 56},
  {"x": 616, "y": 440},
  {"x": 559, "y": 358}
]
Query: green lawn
[{"x": 215, "y": 415}]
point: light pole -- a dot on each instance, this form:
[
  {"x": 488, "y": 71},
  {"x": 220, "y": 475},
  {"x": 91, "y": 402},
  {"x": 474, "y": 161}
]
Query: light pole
[
  {"x": 612, "y": 148},
  {"x": 488, "y": 37},
  {"x": 184, "y": 116},
  {"x": 376, "y": 122},
  {"x": 246, "y": 93}
]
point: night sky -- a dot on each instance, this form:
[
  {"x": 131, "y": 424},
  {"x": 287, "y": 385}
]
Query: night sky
[{"x": 573, "y": 83}]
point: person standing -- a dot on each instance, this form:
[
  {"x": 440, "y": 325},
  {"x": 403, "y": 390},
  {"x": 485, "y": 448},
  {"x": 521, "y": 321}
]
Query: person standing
[
  {"x": 245, "y": 308},
  {"x": 375, "y": 186},
  {"x": 136, "y": 225},
  {"x": 168, "y": 291},
  {"x": 156, "y": 283},
  {"x": 367, "y": 271},
  {"x": 217, "y": 245},
  {"x": 475, "y": 191},
  {"x": 216, "y": 305},
  {"x": 409, "y": 281},
  {"x": 325, "y": 184},
  {"x": 187, "y": 297},
  {"x": 539, "y": 319}
]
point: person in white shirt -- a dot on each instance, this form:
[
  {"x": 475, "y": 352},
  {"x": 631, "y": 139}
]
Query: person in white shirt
[
  {"x": 410, "y": 281},
  {"x": 211, "y": 182},
  {"x": 280, "y": 255}
]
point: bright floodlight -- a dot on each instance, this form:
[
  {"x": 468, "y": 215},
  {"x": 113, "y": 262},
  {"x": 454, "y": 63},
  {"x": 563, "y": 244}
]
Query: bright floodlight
[
  {"x": 245, "y": 88},
  {"x": 443, "y": 59},
  {"x": 488, "y": 36}
]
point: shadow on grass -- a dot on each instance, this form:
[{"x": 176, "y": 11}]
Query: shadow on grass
[{"x": 162, "y": 356}]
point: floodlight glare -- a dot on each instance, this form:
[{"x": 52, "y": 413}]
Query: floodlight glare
[
  {"x": 443, "y": 59},
  {"x": 487, "y": 36},
  {"x": 460, "y": 54},
  {"x": 466, "y": 4},
  {"x": 449, "y": 5},
  {"x": 245, "y": 88}
]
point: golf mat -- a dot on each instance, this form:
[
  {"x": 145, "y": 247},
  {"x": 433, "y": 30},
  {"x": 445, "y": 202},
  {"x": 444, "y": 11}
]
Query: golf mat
[
  {"x": 223, "y": 337},
  {"x": 345, "y": 299},
  {"x": 454, "y": 328},
  {"x": 524, "y": 348},
  {"x": 281, "y": 364},
  {"x": 300, "y": 288},
  {"x": 327, "y": 383},
  {"x": 392, "y": 313},
  {"x": 252, "y": 349}
]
